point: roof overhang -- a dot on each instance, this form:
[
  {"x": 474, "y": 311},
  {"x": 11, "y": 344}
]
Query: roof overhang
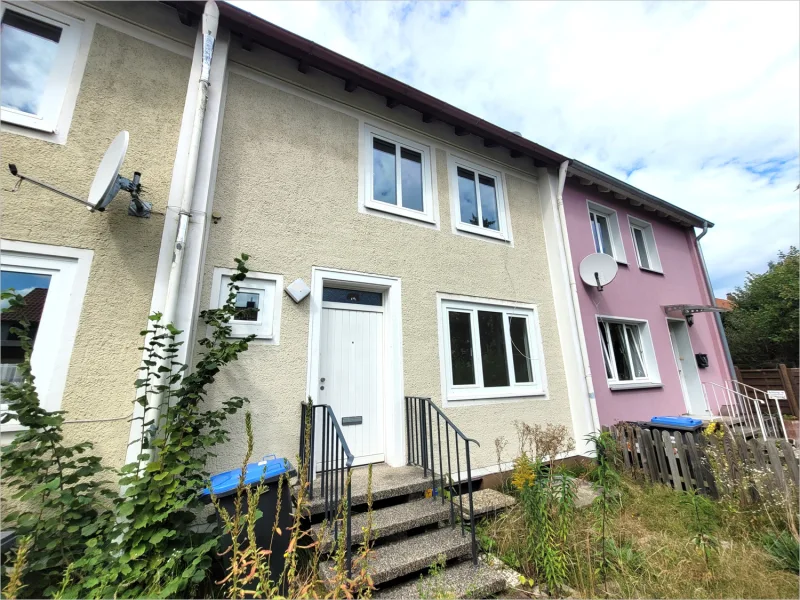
[
  {"x": 250, "y": 29},
  {"x": 685, "y": 310},
  {"x": 605, "y": 183}
]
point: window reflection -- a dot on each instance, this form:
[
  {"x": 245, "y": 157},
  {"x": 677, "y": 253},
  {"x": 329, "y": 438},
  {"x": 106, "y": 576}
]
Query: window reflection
[{"x": 33, "y": 288}]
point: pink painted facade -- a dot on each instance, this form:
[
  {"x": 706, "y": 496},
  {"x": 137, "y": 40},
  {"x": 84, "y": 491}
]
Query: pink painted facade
[{"x": 639, "y": 294}]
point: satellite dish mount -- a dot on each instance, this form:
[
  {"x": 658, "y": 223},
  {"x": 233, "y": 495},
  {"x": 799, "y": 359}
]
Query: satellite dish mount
[
  {"x": 107, "y": 182},
  {"x": 598, "y": 270}
]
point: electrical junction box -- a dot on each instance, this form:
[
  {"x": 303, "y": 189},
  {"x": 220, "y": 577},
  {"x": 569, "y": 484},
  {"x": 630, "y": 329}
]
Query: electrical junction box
[{"x": 298, "y": 290}]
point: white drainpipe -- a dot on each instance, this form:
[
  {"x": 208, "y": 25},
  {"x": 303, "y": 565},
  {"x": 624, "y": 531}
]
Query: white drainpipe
[
  {"x": 209, "y": 30},
  {"x": 573, "y": 288}
]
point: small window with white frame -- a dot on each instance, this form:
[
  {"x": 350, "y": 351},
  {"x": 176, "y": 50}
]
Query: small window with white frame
[
  {"x": 606, "y": 232},
  {"x": 490, "y": 350},
  {"x": 398, "y": 176},
  {"x": 479, "y": 204},
  {"x": 258, "y": 303},
  {"x": 628, "y": 353},
  {"x": 644, "y": 242},
  {"x": 39, "y": 48},
  {"x": 52, "y": 282}
]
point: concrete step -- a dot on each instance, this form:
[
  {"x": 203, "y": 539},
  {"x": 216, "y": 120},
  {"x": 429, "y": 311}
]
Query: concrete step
[
  {"x": 487, "y": 501},
  {"x": 462, "y": 580},
  {"x": 416, "y": 553},
  {"x": 391, "y": 520},
  {"x": 387, "y": 482}
]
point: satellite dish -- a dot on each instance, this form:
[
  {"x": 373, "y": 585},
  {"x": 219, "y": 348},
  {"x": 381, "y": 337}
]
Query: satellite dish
[
  {"x": 598, "y": 270},
  {"x": 107, "y": 181},
  {"x": 102, "y": 191}
]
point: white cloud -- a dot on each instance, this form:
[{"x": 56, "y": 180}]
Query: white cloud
[{"x": 704, "y": 97}]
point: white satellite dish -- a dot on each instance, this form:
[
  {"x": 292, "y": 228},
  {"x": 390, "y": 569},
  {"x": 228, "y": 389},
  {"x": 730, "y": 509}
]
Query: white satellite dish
[
  {"x": 107, "y": 181},
  {"x": 598, "y": 270},
  {"x": 106, "y": 177}
]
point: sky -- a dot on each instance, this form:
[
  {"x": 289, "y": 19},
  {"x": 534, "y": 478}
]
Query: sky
[{"x": 696, "y": 103}]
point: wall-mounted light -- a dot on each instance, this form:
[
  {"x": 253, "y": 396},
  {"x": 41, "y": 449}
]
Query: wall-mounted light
[{"x": 690, "y": 319}]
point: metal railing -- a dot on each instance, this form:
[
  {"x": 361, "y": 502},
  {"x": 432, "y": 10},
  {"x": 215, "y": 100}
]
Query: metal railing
[
  {"x": 424, "y": 443},
  {"x": 321, "y": 435},
  {"x": 749, "y": 407}
]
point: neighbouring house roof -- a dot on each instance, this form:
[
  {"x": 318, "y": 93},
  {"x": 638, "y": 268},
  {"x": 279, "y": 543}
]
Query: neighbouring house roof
[
  {"x": 624, "y": 191},
  {"x": 724, "y": 303},
  {"x": 31, "y": 310},
  {"x": 251, "y": 29}
]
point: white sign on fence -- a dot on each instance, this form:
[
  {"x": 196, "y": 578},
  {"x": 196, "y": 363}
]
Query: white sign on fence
[{"x": 776, "y": 394}]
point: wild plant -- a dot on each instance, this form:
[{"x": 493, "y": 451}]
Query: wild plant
[
  {"x": 606, "y": 483},
  {"x": 434, "y": 586},
  {"x": 14, "y": 583},
  {"x": 701, "y": 509}
]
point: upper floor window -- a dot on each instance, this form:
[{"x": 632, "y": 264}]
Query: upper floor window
[
  {"x": 37, "y": 51},
  {"x": 645, "y": 244},
  {"x": 398, "y": 176},
  {"x": 606, "y": 232},
  {"x": 52, "y": 282},
  {"x": 491, "y": 350},
  {"x": 480, "y": 205},
  {"x": 627, "y": 352}
]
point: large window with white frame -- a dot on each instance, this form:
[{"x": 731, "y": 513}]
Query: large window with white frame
[
  {"x": 479, "y": 205},
  {"x": 398, "y": 175},
  {"x": 490, "y": 350},
  {"x": 628, "y": 353},
  {"x": 606, "y": 232},
  {"x": 39, "y": 48},
  {"x": 644, "y": 241},
  {"x": 52, "y": 282}
]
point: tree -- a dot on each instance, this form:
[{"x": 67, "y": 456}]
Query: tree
[{"x": 762, "y": 327}]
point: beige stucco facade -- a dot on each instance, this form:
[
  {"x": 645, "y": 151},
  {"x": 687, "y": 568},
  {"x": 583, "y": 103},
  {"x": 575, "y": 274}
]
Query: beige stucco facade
[
  {"x": 130, "y": 84},
  {"x": 287, "y": 194}
]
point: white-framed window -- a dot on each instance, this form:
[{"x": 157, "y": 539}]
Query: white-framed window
[
  {"x": 489, "y": 349},
  {"x": 52, "y": 281},
  {"x": 258, "y": 303},
  {"x": 606, "y": 232},
  {"x": 644, "y": 242},
  {"x": 397, "y": 175},
  {"x": 628, "y": 353},
  {"x": 479, "y": 199},
  {"x": 39, "y": 50}
]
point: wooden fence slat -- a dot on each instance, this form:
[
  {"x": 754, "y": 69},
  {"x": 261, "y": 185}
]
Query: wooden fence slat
[
  {"x": 631, "y": 434},
  {"x": 623, "y": 442},
  {"x": 650, "y": 453},
  {"x": 684, "y": 464},
  {"x": 646, "y": 475},
  {"x": 791, "y": 461},
  {"x": 697, "y": 447},
  {"x": 777, "y": 468},
  {"x": 669, "y": 449},
  {"x": 663, "y": 469}
]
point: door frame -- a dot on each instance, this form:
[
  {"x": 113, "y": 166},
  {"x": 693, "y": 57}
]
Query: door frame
[
  {"x": 681, "y": 379},
  {"x": 393, "y": 417}
]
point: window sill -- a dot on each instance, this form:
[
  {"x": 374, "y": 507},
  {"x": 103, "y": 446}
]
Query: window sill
[
  {"x": 488, "y": 396},
  {"x": 479, "y": 231},
  {"x": 400, "y": 212},
  {"x": 654, "y": 271},
  {"x": 636, "y": 385}
]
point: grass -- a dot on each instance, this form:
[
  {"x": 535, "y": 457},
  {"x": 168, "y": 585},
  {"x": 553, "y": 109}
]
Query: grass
[{"x": 652, "y": 551}]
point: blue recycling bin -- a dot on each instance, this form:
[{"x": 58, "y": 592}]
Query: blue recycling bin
[
  {"x": 267, "y": 471},
  {"x": 672, "y": 424}
]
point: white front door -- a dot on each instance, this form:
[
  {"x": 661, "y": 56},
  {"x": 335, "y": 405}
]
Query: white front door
[
  {"x": 351, "y": 368},
  {"x": 688, "y": 373}
]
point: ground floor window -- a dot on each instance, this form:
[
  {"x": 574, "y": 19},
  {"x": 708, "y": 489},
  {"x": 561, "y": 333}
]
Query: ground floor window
[
  {"x": 628, "y": 352},
  {"x": 52, "y": 282},
  {"x": 490, "y": 349}
]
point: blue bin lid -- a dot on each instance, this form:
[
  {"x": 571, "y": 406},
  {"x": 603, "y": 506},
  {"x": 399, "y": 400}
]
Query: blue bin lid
[
  {"x": 676, "y": 421},
  {"x": 266, "y": 470}
]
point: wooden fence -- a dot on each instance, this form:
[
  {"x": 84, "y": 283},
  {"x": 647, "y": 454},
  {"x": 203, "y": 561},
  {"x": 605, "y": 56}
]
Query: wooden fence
[
  {"x": 781, "y": 378},
  {"x": 679, "y": 459}
]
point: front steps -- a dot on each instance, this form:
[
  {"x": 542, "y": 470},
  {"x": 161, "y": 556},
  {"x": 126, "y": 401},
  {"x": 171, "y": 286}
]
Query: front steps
[{"x": 411, "y": 532}]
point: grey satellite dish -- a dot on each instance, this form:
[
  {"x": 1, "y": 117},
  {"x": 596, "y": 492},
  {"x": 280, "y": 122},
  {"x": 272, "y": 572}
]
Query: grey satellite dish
[
  {"x": 107, "y": 181},
  {"x": 598, "y": 270}
]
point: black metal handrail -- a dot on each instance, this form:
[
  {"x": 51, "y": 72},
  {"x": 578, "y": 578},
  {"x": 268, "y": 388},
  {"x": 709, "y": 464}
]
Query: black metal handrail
[
  {"x": 336, "y": 461},
  {"x": 421, "y": 452}
]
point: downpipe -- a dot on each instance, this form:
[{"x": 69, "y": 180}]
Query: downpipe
[
  {"x": 717, "y": 317},
  {"x": 209, "y": 30},
  {"x": 573, "y": 288}
]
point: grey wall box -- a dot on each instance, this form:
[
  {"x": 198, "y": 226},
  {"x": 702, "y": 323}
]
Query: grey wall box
[{"x": 298, "y": 290}]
